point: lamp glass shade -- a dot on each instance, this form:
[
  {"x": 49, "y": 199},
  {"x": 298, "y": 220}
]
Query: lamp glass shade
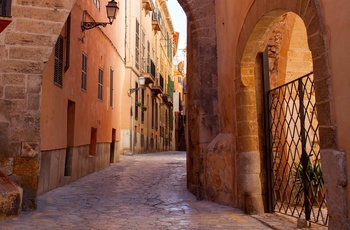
[
  {"x": 111, "y": 9},
  {"x": 142, "y": 80}
]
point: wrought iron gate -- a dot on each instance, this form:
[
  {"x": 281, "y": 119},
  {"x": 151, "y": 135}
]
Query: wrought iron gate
[{"x": 297, "y": 182}]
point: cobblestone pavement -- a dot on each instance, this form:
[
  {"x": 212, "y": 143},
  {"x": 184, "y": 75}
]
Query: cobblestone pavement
[{"x": 146, "y": 191}]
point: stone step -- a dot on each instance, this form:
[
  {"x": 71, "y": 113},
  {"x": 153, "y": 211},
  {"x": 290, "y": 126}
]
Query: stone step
[{"x": 10, "y": 197}]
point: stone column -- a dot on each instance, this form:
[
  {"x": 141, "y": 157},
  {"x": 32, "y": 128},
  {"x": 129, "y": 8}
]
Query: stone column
[{"x": 202, "y": 111}]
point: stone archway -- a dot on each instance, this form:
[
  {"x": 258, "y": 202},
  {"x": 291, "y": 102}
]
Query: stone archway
[
  {"x": 25, "y": 46},
  {"x": 251, "y": 41}
]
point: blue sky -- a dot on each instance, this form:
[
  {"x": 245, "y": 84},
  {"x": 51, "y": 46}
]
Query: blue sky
[{"x": 179, "y": 20}]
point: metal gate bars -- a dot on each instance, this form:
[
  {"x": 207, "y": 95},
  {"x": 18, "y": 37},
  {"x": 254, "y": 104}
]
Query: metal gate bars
[{"x": 297, "y": 183}]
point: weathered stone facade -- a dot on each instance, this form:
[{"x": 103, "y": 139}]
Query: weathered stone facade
[{"x": 202, "y": 117}]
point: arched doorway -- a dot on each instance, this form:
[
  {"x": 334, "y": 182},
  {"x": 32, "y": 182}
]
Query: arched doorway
[
  {"x": 246, "y": 168},
  {"x": 277, "y": 51}
]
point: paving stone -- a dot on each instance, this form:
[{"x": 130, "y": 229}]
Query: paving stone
[{"x": 145, "y": 191}]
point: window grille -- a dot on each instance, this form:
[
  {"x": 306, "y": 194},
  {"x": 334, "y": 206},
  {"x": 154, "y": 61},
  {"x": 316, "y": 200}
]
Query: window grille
[{"x": 58, "y": 72}]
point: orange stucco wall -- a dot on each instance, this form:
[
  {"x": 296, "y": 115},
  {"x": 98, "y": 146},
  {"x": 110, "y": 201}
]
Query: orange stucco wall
[
  {"x": 337, "y": 22},
  {"x": 104, "y": 48}
]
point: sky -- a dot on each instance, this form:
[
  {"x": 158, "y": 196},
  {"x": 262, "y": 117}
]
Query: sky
[{"x": 179, "y": 20}]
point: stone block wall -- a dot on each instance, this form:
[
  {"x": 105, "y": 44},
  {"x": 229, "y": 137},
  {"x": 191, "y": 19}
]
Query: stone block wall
[
  {"x": 10, "y": 198},
  {"x": 202, "y": 115}
]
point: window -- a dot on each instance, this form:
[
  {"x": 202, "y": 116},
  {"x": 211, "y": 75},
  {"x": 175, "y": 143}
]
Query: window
[
  {"x": 148, "y": 52},
  {"x": 100, "y": 84},
  {"x": 83, "y": 72},
  {"x": 137, "y": 45},
  {"x": 143, "y": 104},
  {"x": 156, "y": 120},
  {"x": 136, "y": 101},
  {"x": 58, "y": 62},
  {"x": 111, "y": 88},
  {"x": 171, "y": 120},
  {"x": 68, "y": 26},
  {"x": 5, "y": 8},
  {"x": 97, "y": 4},
  {"x": 143, "y": 52},
  {"x": 93, "y": 141},
  {"x": 153, "y": 112}
]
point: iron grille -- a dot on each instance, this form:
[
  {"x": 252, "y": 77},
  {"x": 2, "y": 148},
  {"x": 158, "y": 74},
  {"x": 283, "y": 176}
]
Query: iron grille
[
  {"x": 297, "y": 184},
  {"x": 58, "y": 64}
]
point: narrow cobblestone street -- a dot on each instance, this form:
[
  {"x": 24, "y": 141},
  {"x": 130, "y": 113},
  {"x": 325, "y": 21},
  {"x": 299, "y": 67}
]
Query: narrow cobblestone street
[{"x": 146, "y": 191}]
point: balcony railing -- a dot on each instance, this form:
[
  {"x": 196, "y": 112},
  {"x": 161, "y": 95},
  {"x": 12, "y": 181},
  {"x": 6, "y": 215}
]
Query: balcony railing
[
  {"x": 158, "y": 85},
  {"x": 156, "y": 20},
  {"x": 149, "y": 70},
  {"x": 167, "y": 99}
]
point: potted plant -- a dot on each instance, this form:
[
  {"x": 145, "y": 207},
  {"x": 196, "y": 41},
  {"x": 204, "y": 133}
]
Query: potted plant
[
  {"x": 315, "y": 180},
  {"x": 138, "y": 104}
]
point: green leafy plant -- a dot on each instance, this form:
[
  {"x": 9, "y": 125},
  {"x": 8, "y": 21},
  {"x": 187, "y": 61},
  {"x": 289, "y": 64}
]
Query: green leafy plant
[
  {"x": 314, "y": 177},
  {"x": 138, "y": 104}
]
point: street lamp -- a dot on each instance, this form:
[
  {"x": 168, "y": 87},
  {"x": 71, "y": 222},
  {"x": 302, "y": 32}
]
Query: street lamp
[
  {"x": 111, "y": 9},
  {"x": 142, "y": 82}
]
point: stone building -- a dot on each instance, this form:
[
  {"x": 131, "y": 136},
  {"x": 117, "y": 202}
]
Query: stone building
[
  {"x": 147, "y": 111},
  {"x": 238, "y": 139},
  {"x": 81, "y": 91},
  {"x": 60, "y": 103},
  {"x": 180, "y": 105}
]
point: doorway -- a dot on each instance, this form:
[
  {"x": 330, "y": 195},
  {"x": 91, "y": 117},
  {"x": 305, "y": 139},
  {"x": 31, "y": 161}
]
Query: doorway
[
  {"x": 112, "y": 147},
  {"x": 70, "y": 138},
  {"x": 287, "y": 136}
]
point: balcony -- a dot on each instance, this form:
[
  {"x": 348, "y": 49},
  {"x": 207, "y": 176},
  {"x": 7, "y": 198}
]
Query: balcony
[
  {"x": 156, "y": 20},
  {"x": 158, "y": 86},
  {"x": 167, "y": 99},
  {"x": 5, "y": 15},
  {"x": 148, "y": 5},
  {"x": 149, "y": 71}
]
